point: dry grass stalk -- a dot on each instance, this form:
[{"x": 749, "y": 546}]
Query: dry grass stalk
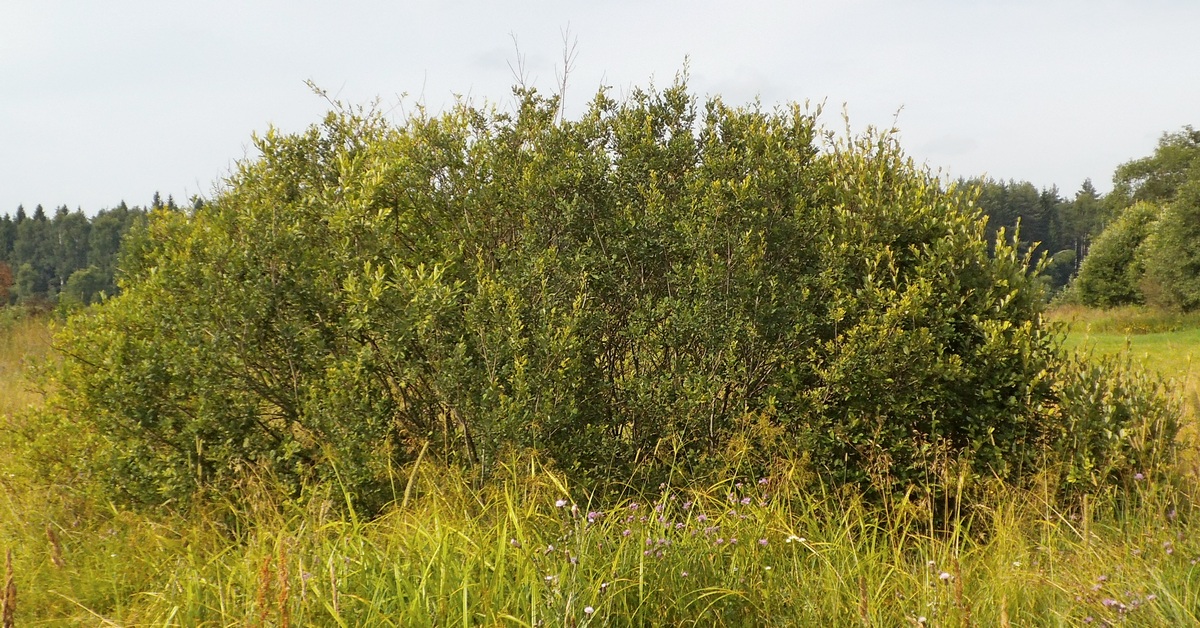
[
  {"x": 333, "y": 588},
  {"x": 1004, "y": 611},
  {"x": 864, "y": 609},
  {"x": 264, "y": 589},
  {"x": 284, "y": 591},
  {"x": 959, "y": 599},
  {"x": 9, "y": 601},
  {"x": 56, "y": 551}
]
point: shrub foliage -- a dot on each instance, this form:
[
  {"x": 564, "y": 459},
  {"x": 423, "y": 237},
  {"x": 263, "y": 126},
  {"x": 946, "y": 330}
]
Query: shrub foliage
[
  {"x": 653, "y": 285},
  {"x": 1112, "y": 273}
]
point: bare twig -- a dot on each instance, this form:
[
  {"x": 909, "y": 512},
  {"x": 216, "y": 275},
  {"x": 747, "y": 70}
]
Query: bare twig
[
  {"x": 569, "y": 54},
  {"x": 520, "y": 73}
]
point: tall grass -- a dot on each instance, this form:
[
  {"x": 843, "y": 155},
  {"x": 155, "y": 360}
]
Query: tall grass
[
  {"x": 531, "y": 549},
  {"x": 1125, "y": 320},
  {"x": 24, "y": 340}
]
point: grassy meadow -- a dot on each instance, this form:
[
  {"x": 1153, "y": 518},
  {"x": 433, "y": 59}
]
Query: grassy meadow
[
  {"x": 1162, "y": 342},
  {"x": 530, "y": 549}
]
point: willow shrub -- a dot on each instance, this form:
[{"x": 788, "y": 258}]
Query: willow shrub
[{"x": 652, "y": 286}]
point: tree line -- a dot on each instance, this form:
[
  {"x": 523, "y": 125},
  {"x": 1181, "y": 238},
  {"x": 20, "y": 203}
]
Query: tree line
[
  {"x": 1138, "y": 244},
  {"x": 66, "y": 256}
]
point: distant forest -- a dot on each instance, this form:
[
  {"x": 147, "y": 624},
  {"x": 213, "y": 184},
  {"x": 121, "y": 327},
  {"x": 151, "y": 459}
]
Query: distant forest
[
  {"x": 67, "y": 257},
  {"x": 1138, "y": 244},
  {"x": 1057, "y": 228},
  {"x": 1150, "y": 256}
]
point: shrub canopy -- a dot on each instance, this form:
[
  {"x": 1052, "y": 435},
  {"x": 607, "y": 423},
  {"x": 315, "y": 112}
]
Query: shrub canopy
[
  {"x": 658, "y": 283},
  {"x": 1112, "y": 272}
]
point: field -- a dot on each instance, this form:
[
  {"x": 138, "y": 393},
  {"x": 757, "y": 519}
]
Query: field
[
  {"x": 530, "y": 549},
  {"x": 1168, "y": 344}
]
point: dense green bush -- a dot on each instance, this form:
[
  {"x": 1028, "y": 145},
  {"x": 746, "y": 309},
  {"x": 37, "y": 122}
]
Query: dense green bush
[
  {"x": 1111, "y": 274},
  {"x": 1113, "y": 422},
  {"x": 653, "y": 285},
  {"x": 1171, "y": 253}
]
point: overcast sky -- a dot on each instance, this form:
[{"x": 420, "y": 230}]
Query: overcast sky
[{"x": 108, "y": 101}]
